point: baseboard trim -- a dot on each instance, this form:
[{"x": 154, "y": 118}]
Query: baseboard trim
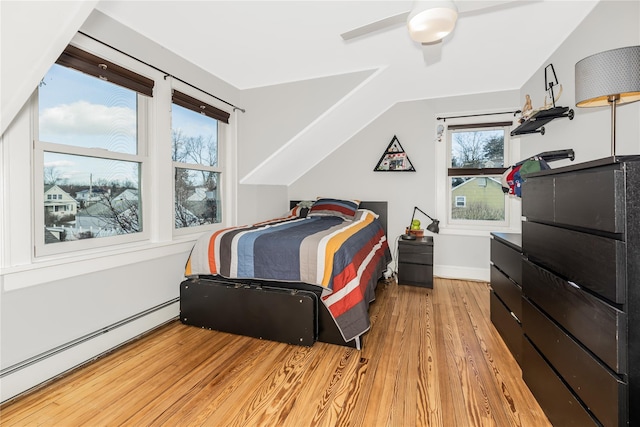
[
  {"x": 464, "y": 273},
  {"x": 22, "y": 377}
]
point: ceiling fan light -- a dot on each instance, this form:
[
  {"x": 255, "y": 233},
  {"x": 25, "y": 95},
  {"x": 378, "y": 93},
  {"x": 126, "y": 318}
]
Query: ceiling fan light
[{"x": 430, "y": 21}]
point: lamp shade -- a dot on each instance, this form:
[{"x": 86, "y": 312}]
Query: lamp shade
[
  {"x": 430, "y": 21},
  {"x": 613, "y": 74}
]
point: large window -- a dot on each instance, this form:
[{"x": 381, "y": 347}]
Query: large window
[
  {"x": 90, "y": 153},
  {"x": 195, "y": 132},
  {"x": 477, "y": 156}
]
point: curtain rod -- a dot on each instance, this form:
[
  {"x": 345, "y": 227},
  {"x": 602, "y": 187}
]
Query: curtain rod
[
  {"x": 162, "y": 71},
  {"x": 478, "y": 115}
]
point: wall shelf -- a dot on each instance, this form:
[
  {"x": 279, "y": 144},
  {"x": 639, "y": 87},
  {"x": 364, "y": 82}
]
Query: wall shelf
[{"x": 535, "y": 123}]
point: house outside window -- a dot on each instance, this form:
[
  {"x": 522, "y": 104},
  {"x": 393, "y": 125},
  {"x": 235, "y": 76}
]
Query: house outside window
[
  {"x": 90, "y": 148},
  {"x": 477, "y": 156},
  {"x": 196, "y": 132}
]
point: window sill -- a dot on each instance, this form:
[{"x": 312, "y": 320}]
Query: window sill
[
  {"x": 63, "y": 267},
  {"x": 475, "y": 231}
]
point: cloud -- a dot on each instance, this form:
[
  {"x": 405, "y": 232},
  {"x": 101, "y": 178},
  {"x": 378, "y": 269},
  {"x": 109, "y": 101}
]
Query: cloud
[
  {"x": 59, "y": 164},
  {"x": 84, "y": 118}
]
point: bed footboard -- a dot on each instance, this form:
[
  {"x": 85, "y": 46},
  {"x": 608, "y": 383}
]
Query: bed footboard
[
  {"x": 260, "y": 309},
  {"x": 284, "y": 315}
]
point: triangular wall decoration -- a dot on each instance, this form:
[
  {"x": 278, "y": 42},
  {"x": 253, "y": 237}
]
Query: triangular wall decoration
[{"x": 394, "y": 159}]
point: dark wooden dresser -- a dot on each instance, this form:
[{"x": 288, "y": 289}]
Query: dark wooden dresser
[
  {"x": 415, "y": 262},
  {"x": 506, "y": 289},
  {"x": 581, "y": 292}
]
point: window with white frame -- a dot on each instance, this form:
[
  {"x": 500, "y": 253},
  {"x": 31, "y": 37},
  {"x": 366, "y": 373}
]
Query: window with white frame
[
  {"x": 90, "y": 144},
  {"x": 477, "y": 158},
  {"x": 196, "y": 129}
]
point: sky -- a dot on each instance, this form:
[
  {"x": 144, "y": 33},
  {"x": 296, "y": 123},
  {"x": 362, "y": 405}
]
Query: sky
[{"x": 80, "y": 110}]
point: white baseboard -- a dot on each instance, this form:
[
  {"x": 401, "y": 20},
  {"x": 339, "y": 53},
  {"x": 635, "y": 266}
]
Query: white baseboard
[
  {"x": 464, "y": 273},
  {"x": 52, "y": 366}
]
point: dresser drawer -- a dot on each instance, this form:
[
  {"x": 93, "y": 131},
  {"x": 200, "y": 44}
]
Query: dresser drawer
[
  {"x": 537, "y": 198},
  {"x": 597, "y": 325},
  {"x": 507, "y": 326},
  {"x": 507, "y": 259},
  {"x": 601, "y": 391},
  {"x": 557, "y": 401},
  {"x": 570, "y": 199},
  {"x": 597, "y": 263},
  {"x": 594, "y": 199},
  {"x": 509, "y": 292}
]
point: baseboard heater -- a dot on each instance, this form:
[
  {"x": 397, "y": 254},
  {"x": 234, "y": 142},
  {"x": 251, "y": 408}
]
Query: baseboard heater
[{"x": 47, "y": 354}]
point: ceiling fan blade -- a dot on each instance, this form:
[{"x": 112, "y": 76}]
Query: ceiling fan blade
[
  {"x": 381, "y": 24},
  {"x": 432, "y": 52}
]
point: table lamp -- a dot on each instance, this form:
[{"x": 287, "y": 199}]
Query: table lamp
[
  {"x": 434, "y": 227},
  {"x": 609, "y": 78}
]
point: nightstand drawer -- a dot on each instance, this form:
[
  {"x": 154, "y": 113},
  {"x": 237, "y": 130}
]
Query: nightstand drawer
[
  {"x": 423, "y": 256},
  {"x": 415, "y": 274}
]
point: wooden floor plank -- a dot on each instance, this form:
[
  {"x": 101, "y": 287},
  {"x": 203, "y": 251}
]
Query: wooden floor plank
[{"x": 431, "y": 358}]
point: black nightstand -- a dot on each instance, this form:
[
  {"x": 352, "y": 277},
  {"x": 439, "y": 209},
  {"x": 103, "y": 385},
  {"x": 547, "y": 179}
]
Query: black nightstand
[{"x": 415, "y": 262}]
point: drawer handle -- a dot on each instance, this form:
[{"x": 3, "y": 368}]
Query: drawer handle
[
  {"x": 514, "y": 316},
  {"x": 574, "y": 285}
]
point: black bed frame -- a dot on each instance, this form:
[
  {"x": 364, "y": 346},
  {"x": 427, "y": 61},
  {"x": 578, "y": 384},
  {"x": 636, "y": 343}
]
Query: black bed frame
[{"x": 294, "y": 313}]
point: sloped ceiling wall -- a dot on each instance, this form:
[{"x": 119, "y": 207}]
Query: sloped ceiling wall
[
  {"x": 277, "y": 114},
  {"x": 30, "y": 41}
]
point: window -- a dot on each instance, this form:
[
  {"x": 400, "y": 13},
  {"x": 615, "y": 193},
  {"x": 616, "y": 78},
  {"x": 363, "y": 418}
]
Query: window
[
  {"x": 195, "y": 133},
  {"x": 477, "y": 154},
  {"x": 91, "y": 151}
]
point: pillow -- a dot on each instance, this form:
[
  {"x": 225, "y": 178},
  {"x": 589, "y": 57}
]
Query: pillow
[
  {"x": 345, "y": 209},
  {"x": 301, "y": 209}
]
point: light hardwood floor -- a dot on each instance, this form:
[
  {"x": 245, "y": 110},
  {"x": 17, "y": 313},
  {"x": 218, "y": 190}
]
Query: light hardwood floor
[{"x": 431, "y": 358}]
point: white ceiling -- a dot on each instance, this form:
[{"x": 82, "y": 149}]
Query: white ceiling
[{"x": 260, "y": 43}]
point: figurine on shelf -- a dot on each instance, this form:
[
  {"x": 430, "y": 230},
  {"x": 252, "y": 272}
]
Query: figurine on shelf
[{"x": 527, "y": 109}]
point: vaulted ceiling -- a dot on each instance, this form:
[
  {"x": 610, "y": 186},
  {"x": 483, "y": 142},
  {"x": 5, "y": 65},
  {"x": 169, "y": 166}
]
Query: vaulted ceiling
[{"x": 254, "y": 44}]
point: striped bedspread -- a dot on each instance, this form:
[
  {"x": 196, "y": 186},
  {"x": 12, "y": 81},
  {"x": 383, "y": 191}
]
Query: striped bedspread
[{"x": 345, "y": 258}]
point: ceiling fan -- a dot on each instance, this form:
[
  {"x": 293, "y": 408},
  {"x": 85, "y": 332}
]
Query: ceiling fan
[{"x": 430, "y": 21}]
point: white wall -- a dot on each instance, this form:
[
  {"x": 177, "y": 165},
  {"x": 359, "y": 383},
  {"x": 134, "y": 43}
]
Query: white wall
[
  {"x": 348, "y": 173},
  {"x": 274, "y": 115},
  {"x": 60, "y": 312},
  {"x": 30, "y": 41},
  {"x": 612, "y": 24}
]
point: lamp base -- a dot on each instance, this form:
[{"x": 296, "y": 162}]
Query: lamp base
[{"x": 408, "y": 237}]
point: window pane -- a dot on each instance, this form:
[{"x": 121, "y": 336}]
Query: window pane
[
  {"x": 477, "y": 199},
  {"x": 477, "y": 149},
  {"x": 90, "y": 197},
  {"x": 197, "y": 199},
  {"x": 84, "y": 111},
  {"x": 194, "y": 137}
]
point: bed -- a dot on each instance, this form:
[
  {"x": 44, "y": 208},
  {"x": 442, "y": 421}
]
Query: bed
[{"x": 307, "y": 276}]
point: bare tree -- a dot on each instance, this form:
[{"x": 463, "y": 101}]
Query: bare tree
[
  {"x": 469, "y": 149},
  {"x": 120, "y": 213},
  {"x": 52, "y": 175}
]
